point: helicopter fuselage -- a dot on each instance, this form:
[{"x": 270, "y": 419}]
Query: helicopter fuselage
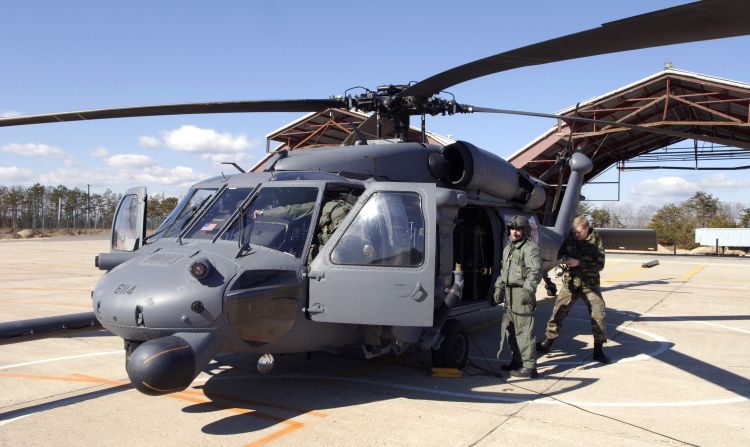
[{"x": 235, "y": 267}]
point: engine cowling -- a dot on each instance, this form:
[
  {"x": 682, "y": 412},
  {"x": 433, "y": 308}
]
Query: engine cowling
[{"x": 465, "y": 166}]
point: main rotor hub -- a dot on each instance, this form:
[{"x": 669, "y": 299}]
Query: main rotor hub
[{"x": 387, "y": 101}]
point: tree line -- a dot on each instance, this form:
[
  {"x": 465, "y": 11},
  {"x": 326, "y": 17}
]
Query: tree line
[
  {"x": 675, "y": 224},
  {"x": 56, "y": 207},
  {"x": 41, "y": 207}
]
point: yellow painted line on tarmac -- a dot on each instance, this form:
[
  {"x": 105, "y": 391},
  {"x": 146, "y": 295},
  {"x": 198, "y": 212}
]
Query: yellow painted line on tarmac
[
  {"x": 291, "y": 426},
  {"x": 48, "y": 303},
  {"x": 689, "y": 275},
  {"x": 622, "y": 275},
  {"x": 316, "y": 413},
  {"x": 70, "y": 378}
]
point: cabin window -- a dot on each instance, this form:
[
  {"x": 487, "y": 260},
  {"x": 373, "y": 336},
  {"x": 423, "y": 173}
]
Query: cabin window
[{"x": 388, "y": 231}]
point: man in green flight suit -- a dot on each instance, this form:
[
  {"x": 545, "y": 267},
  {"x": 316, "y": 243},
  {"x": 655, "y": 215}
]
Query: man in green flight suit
[
  {"x": 582, "y": 255},
  {"x": 516, "y": 285}
]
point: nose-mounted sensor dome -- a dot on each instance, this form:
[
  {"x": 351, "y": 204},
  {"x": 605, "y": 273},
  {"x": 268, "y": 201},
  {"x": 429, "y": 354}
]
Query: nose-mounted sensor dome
[{"x": 200, "y": 269}]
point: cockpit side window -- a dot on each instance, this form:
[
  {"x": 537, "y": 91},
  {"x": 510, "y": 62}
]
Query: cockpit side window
[
  {"x": 217, "y": 214},
  {"x": 124, "y": 233},
  {"x": 388, "y": 231}
]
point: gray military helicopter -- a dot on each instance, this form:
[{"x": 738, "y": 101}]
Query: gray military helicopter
[{"x": 236, "y": 268}]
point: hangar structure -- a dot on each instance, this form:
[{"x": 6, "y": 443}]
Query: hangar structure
[{"x": 673, "y": 99}]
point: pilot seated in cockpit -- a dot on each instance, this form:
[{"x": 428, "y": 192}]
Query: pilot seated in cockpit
[{"x": 333, "y": 213}]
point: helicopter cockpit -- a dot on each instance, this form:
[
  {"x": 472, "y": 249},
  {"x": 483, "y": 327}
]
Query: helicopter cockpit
[{"x": 277, "y": 218}]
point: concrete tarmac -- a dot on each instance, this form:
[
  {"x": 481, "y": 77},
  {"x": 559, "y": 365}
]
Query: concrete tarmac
[{"x": 679, "y": 338}]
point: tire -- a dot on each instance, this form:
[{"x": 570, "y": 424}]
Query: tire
[{"x": 454, "y": 351}]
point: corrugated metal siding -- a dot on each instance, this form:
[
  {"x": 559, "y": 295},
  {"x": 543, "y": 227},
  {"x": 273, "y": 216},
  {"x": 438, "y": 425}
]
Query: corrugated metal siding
[
  {"x": 628, "y": 239},
  {"x": 728, "y": 237}
]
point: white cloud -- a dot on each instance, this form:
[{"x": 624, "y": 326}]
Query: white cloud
[
  {"x": 14, "y": 174},
  {"x": 664, "y": 189},
  {"x": 99, "y": 152},
  {"x": 148, "y": 141},
  {"x": 129, "y": 161},
  {"x": 179, "y": 175},
  {"x": 197, "y": 140},
  {"x": 9, "y": 114},
  {"x": 33, "y": 150},
  {"x": 722, "y": 181},
  {"x": 119, "y": 179},
  {"x": 221, "y": 158}
]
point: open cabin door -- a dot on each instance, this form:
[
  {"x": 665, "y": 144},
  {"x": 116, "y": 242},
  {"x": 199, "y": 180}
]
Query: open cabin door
[
  {"x": 129, "y": 224},
  {"x": 379, "y": 266}
]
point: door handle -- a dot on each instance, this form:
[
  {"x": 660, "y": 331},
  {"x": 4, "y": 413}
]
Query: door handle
[
  {"x": 419, "y": 293},
  {"x": 316, "y": 275}
]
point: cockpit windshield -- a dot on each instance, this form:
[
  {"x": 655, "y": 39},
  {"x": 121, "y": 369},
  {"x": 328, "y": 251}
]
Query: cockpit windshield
[
  {"x": 217, "y": 214},
  {"x": 278, "y": 218},
  {"x": 182, "y": 213}
]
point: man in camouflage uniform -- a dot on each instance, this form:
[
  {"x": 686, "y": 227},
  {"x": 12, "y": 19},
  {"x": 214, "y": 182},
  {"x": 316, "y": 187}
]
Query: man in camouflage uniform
[
  {"x": 516, "y": 286},
  {"x": 333, "y": 213},
  {"x": 582, "y": 254}
]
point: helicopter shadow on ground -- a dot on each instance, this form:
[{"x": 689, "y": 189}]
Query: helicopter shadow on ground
[
  {"x": 631, "y": 284},
  {"x": 300, "y": 386},
  {"x": 624, "y": 346}
]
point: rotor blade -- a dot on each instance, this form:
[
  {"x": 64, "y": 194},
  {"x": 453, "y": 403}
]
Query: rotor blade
[
  {"x": 24, "y": 330},
  {"x": 642, "y": 128},
  {"x": 693, "y": 22},
  {"x": 289, "y": 105}
]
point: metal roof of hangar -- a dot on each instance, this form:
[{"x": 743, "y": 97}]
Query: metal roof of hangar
[
  {"x": 702, "y": 105},
  {"x": 333, "y": 127}
]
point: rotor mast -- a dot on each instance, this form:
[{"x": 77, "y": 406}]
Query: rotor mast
[{"x": 389, "y": 102}]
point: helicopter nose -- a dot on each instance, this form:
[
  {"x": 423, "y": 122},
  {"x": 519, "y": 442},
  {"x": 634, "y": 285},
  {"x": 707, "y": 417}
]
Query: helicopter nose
[
  {"x": 163, "y": 293},
  {"x": 169, "y": 364}
]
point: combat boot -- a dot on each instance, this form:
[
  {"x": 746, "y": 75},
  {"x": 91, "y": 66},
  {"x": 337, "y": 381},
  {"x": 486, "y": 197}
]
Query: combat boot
[
  {"x": 512, "y": 366},
  {"x": 599, "y": 353},
  {"x": 545, "y": 345},
  {"x": 525, "y": 373}
]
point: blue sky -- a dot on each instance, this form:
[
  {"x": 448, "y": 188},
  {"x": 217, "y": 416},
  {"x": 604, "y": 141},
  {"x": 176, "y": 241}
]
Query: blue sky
[{"x": 63, "y": 56}]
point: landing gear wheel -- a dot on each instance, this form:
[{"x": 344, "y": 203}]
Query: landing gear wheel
[{"x": 454, "y": 351}]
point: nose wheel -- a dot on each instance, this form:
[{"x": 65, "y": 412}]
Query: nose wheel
[{"x": 454, "y": 350}]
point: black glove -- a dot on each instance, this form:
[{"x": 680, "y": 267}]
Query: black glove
[
  {"x": 499, "y": 296},
  {"x": 527, "y": 298}
]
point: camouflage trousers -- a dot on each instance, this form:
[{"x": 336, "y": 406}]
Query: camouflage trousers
[
  {"x": 592, "y": 297},
  {"x": 520, "y": 327}
]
